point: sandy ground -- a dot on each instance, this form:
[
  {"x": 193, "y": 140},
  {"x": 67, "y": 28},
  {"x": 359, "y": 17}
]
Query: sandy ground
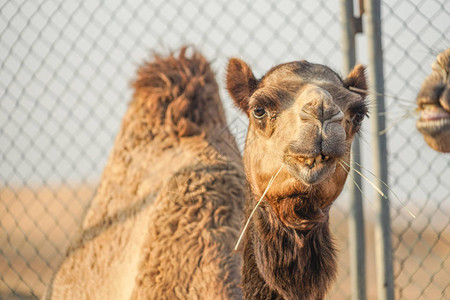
[{"x": 37, "y": 224}]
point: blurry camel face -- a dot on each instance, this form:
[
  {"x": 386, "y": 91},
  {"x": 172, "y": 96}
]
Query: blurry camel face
[
  {"x": 433, "y": 101},
  {"x": 302, "y": 115}
]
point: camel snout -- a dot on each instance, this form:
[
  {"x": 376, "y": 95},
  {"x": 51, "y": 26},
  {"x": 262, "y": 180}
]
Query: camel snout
[{"x": 320, "y": 131}]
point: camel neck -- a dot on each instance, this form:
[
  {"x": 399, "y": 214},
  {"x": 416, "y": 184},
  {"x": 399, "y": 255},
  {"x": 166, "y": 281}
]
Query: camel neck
[{"x": 283, "y": 262}]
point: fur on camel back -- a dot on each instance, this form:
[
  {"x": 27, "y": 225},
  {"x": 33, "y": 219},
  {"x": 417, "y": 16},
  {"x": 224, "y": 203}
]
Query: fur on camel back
[{"x": 169, "y": 205}]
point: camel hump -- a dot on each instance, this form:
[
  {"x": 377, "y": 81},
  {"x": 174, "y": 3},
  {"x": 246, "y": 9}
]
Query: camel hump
[{"x": 179, "y": 92}]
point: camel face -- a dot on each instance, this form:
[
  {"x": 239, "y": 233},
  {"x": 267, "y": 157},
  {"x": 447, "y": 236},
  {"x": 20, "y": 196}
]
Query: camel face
[
  {"x": 302, "y": 115},
  {"x": 433, "y": 101}
]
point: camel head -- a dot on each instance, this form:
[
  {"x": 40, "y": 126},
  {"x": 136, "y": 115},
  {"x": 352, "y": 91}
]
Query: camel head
[
  {"x": 433, "y": 101},
  {"x": 304, "y": 116}
]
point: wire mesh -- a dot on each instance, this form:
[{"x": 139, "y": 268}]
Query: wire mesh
[
  {"x": 64, "y": 78},
  {"x": 414, "y": 33}
]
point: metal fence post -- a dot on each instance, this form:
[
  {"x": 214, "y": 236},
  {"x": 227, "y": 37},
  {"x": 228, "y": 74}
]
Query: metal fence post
[
  {"x": 383, "y": 244},
  {"x": 350, "y": 27}
]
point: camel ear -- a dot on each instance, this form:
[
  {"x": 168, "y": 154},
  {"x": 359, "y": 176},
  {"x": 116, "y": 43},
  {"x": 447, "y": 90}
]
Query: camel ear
[
  {"x": 357, "y": 79},
  {"x": 241, "y": 83}
]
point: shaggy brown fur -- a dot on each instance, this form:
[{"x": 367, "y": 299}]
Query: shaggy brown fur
[
  {"x": 433, "y": 101},
  {"x": 301, "y": 116},
  {"x": 169, "y": 206}
]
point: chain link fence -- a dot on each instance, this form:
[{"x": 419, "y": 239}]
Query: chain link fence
[
  {"x": 414, "y": 33},
  {"x": 64, "y": 83}
]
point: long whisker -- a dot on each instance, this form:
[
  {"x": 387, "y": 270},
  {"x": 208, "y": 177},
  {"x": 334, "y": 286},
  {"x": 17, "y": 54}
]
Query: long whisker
[
  {"x": 410, "y": 107},
  {"x": 393, "y": 124},
  {"x": 272, "y": 179},
  {"x": 354, "y": 181},
  {"x": 380, "y": 94},
  {"x": 378, "y": 189},
  {"x": 391, "y": 190},
  {"x": 412, "y": 111},
  {"x": 407, "y": 107},
  {"x": 363, "y": 138},
  {"x": 368, "y": 180}
]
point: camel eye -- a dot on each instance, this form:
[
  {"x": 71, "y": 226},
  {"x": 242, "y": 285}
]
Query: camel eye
[
  {"x": 259, "y": 112},
  {"x": 358, "y": 118}
]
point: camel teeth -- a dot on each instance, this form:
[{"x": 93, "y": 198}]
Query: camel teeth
[
  {"x": 318, "y": 159},
  {"x": 327, "y": 157},
  {"x": 309, "y": 161}
]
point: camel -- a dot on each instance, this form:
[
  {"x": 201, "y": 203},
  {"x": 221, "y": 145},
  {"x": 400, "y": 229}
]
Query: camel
[
  {"x": 302, "y": 120},
  {"x": 169, "y": 206},
  {"x": 433, "y": 102}
]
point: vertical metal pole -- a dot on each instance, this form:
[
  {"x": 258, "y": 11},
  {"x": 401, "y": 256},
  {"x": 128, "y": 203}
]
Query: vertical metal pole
[
  {"x": 383, "y": 244},
  {"x": 356, "y": 216}
]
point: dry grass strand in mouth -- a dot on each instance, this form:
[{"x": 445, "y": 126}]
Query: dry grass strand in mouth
[
  {"x": 272, "y": 179},
  {"x": 375, "y": 187}
]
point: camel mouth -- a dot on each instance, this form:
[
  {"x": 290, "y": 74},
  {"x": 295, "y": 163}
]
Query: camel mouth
[
  {"x": 433, "y": 120},
  {"x": 310, "y": 170}
]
